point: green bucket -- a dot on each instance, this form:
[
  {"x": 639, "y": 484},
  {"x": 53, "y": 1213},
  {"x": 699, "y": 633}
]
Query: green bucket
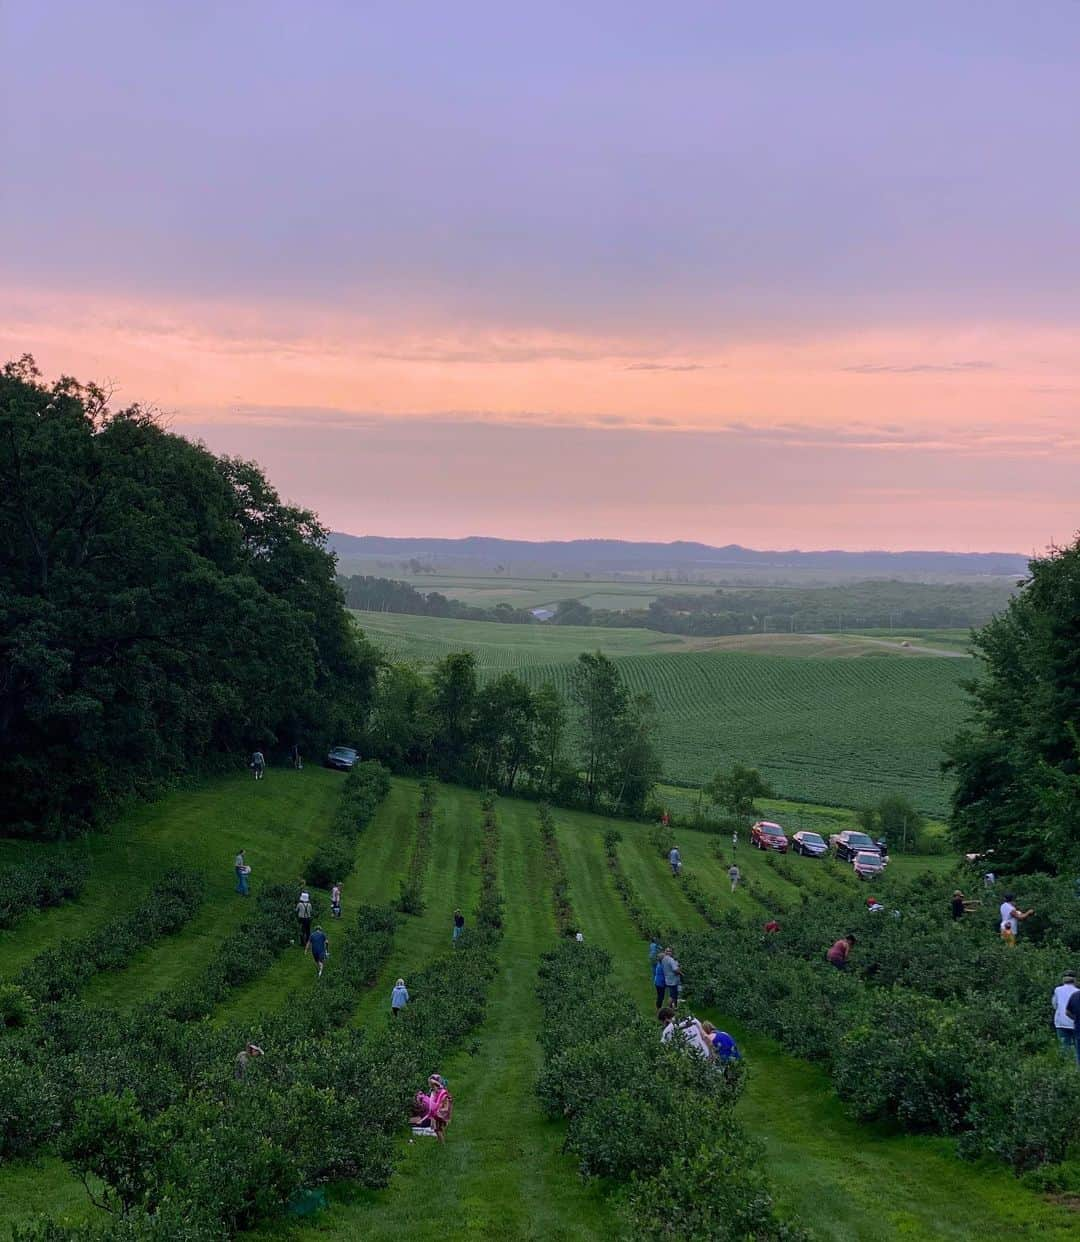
[{"x": 306, "y": 1202}]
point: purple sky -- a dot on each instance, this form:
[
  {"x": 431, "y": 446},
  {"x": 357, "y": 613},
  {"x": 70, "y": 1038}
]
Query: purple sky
[{"x": 693, "y": 240}]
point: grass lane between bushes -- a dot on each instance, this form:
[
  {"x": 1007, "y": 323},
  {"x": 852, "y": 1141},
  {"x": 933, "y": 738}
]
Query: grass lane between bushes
[
  {"x": 845, "y": 1180},
  {"x": 501, "y": 1174}
]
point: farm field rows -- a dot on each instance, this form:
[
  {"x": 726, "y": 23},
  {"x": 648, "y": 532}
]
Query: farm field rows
[
  {"x": 502, "y": 1173},
  {"x": 839, "y": 732},
  {"x": 839, "y": 720}
]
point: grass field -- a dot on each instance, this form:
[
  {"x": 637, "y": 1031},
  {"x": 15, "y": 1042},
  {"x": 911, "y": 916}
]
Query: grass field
[
  {"x": 500, "y": 647},
  {"x": 502, "y": 1174},
  {"x": 487, "y": 590}
]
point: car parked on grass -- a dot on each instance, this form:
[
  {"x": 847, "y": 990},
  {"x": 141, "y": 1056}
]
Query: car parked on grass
[
  {"x": 867, "y": 863},
  {"x": 344, "y": 758},
  {"x": 849, "y": 843},
  {"x": 809, "y": 844},
  {"x": 769, "y": 836}
]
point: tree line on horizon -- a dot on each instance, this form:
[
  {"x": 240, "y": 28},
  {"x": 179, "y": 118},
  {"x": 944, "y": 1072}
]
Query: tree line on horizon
[{"x": 874, "y": 604}]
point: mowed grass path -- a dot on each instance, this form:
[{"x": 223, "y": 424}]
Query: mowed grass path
[
  {"x": 279, "y": 820},
  {"x": 501, "y": 1174},
  {"x": 382, "y": 855},
  {"x": 844, "y": 1179}
]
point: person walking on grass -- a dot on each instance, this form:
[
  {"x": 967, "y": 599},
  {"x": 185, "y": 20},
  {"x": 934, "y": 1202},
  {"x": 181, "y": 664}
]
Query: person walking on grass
[
  {"x": 242, "y": 873},
  {"x": 459, "y": 925},
  {"x": 840, "y": 952},
  {"x": 258, "y": 764},
  {"x": 297, "y": 759},
  {"x": 304, "y": 913},
  {"x": 1064, "y": 1024},
  {"x": 399, "y": 997},
  {"x": 675, "y": 858},
  {"x": 335, "y": 901},
  {"x": 320, "y": 948},
  {"x": 734, "y": 875},
  {"x": 1011, "y": 918}
]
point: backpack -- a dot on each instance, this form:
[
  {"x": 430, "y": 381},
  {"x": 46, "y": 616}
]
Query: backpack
[{"x": 658, "y": 974}]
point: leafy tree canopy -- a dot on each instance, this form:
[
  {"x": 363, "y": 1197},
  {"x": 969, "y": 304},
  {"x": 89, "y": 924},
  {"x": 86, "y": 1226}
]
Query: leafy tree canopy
[
  {"x": 159, "y": 606},
  {"x": 1017, "y": 766}
]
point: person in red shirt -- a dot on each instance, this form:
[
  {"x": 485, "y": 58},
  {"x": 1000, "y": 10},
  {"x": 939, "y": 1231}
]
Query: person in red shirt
[
  {"x": 772, "y": 926},
  {"x": 838, "y": 955}
]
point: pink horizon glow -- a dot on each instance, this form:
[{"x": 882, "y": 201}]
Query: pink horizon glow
[{"x": 963, "y": 440}]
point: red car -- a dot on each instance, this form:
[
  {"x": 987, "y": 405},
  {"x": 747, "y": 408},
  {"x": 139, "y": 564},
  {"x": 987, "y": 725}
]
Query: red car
[{"x": 768, "y": 836}]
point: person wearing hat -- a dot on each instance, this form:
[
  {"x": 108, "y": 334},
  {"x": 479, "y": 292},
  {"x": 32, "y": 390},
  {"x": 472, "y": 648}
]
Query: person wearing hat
[
  {"x": 242, "y": 1057},
  {"x": 961, "y": 906},
  {"x": 304, "y": 913},
  {"x": 1064, "y": 1022}
]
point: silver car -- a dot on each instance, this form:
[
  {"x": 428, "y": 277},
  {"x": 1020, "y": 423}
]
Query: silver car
[{"x": 344, "y": 758}]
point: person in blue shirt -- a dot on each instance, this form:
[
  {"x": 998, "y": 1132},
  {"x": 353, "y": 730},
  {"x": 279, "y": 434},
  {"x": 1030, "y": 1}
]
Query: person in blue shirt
[
  {"x": 320, "y": 948},
  {"x": 658, "y": 981},
  {"x": 724, "y": 1047},
  {"x": 399, "y": 997},
  {"x": 654, "y": 950}
]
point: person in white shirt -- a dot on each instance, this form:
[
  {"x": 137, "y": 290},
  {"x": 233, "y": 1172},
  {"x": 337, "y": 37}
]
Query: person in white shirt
[
  {"x": 1063, "y": 1024},
  {"x": 691, "y": 1031},
  {"x": 1011, "y": 918}
]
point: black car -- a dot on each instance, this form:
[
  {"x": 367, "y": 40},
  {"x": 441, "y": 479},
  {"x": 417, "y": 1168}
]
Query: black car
[
  {"x": 809, "y": 844},
  {"x": 344, "y": 758},
  {"x": 849, "y": 843}
]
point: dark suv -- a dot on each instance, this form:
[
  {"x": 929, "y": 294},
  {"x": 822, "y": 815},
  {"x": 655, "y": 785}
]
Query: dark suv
[{"x": 848, "y": 844}]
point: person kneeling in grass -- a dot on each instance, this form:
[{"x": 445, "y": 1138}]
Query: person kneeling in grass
[
  {"x": 320, "y": 948},
  {"x": 434, "y": 1109},
  {"x": 840, "y": 952}
]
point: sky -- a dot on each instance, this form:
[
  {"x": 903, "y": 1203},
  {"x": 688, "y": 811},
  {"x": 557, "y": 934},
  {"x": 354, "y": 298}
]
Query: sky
[{"x": 778, "y": 274}]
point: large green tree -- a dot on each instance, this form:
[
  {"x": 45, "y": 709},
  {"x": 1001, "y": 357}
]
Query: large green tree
[
  {"x": 159, "y": 606},
  {"x": 1016, "y": 766},
  {"x": 453, "y": 699}
]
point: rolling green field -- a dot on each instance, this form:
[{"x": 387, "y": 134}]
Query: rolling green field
[
  {"x": 841, "y": 732},
  {"x": 502, "y": 1173},
  {"x": 831, "y": 719},
  {"x": 498, "y": 647},
  {"x": 485, "y": 591}
]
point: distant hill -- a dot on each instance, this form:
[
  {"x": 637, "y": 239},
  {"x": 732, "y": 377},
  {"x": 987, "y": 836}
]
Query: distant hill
[{"x": 483, "y": 554}]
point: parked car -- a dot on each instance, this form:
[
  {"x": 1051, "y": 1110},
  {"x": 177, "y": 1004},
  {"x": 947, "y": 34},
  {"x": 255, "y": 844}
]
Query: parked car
[
  {"x": 849, "y": 843},
  {"x": 809, "y": 844},
  {"x": 867, "y": 863},
  {"x": 768, "y": 836},
  {"x": 344, "y": 758}
]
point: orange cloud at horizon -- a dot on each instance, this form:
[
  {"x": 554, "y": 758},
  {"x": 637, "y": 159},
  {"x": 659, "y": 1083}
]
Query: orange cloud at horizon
[
  {"x": 945, "y": 435},
  {"x": 223, "y": 362}
]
